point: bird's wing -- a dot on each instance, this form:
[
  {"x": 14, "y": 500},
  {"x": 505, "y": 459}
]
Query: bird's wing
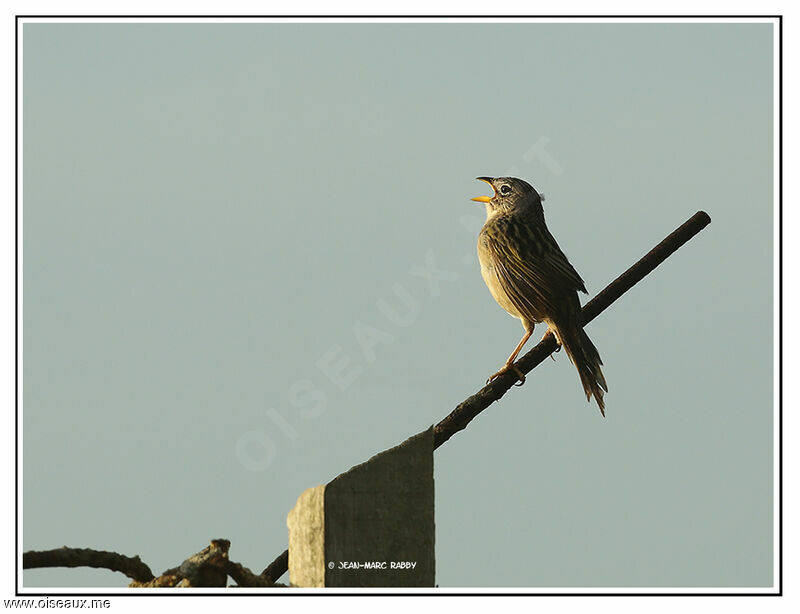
[
  {"x": 532, "y": 270},
  {"x": 556, "y": 259}
]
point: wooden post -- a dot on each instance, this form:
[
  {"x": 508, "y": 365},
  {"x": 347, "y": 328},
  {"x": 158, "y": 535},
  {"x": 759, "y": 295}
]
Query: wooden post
[{"x": 371, "y": 526}]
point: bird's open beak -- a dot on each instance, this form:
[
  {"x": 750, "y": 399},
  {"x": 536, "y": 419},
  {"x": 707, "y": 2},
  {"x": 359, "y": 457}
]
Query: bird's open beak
[{"x": 484, "y": 199}]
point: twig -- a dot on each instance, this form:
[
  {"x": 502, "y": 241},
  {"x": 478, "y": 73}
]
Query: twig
[
  {"x": 208, "y": 568},
  {"x": 277, "y": 567},
  {"x": 133, "y": 567},
  {"x": 465, "y": 411},
  {"x": 245, "y": 577}
]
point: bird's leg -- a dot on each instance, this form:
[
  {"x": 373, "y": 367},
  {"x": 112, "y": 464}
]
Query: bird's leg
[
  {"x": 551, "y": 329},
  {"x": 510, "y": 366}
]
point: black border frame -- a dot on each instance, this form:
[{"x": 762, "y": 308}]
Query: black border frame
[{"x": 435, "y": 592}]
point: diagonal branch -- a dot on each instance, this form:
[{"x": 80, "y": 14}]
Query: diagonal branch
[
  {"x": 465, "y": 411},
  {"x": 276, "y": 568}
]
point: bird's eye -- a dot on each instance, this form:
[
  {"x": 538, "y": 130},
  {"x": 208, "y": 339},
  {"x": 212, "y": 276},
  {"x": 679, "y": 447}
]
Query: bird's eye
[{"x": 505, "y": 189}]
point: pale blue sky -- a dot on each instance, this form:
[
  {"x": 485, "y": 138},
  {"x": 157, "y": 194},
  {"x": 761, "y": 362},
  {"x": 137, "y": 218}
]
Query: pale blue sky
[{"x": 211, "y": 212}]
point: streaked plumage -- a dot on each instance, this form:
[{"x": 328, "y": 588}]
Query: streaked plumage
[{"x": 531, "y": 278}]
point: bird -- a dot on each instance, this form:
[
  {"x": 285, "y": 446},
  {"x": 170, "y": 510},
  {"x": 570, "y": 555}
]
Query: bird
[{"x": 530, "y": 277}]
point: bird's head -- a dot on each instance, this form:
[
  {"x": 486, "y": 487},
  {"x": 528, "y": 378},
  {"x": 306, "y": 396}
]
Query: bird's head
[{"x": 510, "y": 194}]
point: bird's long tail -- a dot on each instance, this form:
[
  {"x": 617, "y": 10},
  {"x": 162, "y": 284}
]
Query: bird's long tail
[{"x": 586, "y": 358}]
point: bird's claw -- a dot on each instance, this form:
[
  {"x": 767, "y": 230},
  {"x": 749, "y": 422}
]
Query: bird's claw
[
  {"x": 506, "y": 369},
  {"x": 555, "y": 351}
]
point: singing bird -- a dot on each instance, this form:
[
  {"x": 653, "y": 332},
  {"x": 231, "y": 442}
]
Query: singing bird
[{"x": 530, "y": 277}]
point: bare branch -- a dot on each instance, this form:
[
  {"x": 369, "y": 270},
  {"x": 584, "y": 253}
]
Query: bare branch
[
  {"x": 209, "y": 567},
  {"x": 86, "y": 557},
  {"x": 245, "y": 577},
  {"x": 277, "y": 567}
]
